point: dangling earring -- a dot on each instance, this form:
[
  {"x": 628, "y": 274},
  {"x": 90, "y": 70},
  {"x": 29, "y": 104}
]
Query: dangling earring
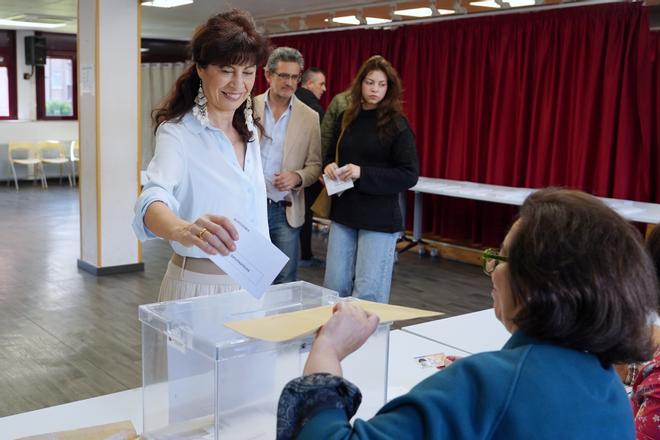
[
  {"x": 247, "y": 112},
  {"x": 199, "y": 110}
]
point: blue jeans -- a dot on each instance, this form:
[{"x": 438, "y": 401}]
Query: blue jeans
[
  {"x": 286, "y": 239},
  {"x": 359, "y": 262}
]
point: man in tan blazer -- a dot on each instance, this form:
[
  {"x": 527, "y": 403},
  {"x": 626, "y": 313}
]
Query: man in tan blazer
[{"x": 290, "y": 153}]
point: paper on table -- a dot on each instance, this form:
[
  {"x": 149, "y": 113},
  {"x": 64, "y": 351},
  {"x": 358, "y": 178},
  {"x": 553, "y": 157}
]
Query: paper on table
[
  {"x": 255, "y": 263},
  {"x": 336, "y": 186},
  {"x": 286, "y": 326}
]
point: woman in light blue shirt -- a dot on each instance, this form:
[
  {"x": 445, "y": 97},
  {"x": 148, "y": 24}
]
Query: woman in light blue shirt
[{"x": 207, "y": 165}]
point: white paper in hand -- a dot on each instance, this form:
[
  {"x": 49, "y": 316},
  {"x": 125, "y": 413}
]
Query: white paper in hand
[
  {"x": 256, "y": 261},
  {"x": 336, "y": 186}
]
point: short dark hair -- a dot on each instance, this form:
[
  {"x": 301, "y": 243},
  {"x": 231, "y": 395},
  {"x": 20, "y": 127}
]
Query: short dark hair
[
  {"x": 307, "y": 74},
  {"x": 653, "y": 246},
  {"x": 582, "y": 277}
]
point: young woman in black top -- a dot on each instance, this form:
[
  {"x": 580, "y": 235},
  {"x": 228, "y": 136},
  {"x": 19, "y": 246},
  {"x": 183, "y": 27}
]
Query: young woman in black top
[{"x": 377, "y": 151}]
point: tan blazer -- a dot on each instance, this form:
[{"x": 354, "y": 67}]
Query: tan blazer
[{"x": 302, "y": 152}]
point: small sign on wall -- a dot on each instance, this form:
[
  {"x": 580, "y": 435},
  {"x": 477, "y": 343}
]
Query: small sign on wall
[{"x": 87, "y": 80}]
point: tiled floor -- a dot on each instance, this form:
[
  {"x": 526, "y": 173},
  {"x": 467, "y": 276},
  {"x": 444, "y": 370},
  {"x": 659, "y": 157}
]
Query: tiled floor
[{"x": 67, "y": 335}]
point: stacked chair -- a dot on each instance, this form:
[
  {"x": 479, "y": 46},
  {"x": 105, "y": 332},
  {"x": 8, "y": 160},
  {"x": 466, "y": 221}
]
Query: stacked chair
[
  {"x": 26, "y": 154},
  {"x": 52, "y": 153}
]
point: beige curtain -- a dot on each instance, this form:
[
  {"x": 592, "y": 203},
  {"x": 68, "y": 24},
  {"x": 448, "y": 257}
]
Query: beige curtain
[{"x": 157, "y": 82}]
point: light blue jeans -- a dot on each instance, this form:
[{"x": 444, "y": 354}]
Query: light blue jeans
[
  {"x": 286, "y": 239},
  {"x": 359, "y": 262}
]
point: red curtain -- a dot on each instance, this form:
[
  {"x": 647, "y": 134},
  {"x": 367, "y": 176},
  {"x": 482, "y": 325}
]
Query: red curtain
[{"x": 564, "y": 97}]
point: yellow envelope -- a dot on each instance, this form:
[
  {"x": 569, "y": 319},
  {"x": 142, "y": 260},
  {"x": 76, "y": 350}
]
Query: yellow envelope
[{"x": 287, "y": 326}]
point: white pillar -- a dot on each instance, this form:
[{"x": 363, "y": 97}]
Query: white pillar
[{"x": 108, "y": 114}]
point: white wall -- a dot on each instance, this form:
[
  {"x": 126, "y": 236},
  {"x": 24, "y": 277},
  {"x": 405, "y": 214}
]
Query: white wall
[
  {"x": 27, "y": 128},
  {"x": 37, "y": 131}
]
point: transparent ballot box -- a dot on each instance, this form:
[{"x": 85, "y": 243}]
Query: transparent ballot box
[{"x": 202, "y": 380}]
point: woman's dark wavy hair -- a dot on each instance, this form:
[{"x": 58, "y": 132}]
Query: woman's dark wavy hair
[
  {"x": 582, "y": 277},
  {"x": 388, "y": 109},
  {"x": 225, "y": 39}
]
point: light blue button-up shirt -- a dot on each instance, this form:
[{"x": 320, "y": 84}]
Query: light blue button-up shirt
[
  {"x": 272, "y": 150},
  {"x": 195, "y": 172}
]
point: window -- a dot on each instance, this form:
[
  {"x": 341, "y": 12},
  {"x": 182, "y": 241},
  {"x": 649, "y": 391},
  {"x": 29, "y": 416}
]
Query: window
[
  {"x": 8, "y": 109},
  {"x": 56, "y": 81},
  {"x": 58, "y": 87}
]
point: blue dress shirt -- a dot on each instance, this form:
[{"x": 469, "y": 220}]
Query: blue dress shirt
[
  {"x": 195, "y": 171},
  {"x": 272, "y": 150}
]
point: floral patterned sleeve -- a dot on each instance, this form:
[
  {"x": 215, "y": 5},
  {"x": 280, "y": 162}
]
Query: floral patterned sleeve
[
  {"x": 646, "y": 400},
  {"x": 304, "y": 397}
]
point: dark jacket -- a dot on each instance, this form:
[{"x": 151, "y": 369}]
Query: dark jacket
[{"x": 309, "y": 98}]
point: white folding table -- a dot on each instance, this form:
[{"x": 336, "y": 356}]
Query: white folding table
[
  {"x": 473, "y": 332},
  {"x": 631, "y": 210}
]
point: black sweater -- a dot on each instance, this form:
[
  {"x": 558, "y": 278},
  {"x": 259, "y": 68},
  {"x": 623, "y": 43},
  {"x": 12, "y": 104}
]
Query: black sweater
[{"x": 386, "y": 169}]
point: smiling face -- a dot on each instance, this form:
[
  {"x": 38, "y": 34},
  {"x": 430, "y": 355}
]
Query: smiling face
[
  {"x": 503, "y": 301},
  {"x": 283, "y": 81},
  {"x": 226, "y": 87},
  {"x": 374, "y": 88}
]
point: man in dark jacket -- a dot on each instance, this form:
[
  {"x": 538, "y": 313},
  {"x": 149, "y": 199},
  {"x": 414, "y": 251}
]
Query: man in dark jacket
[
  {"x": 312, "y": 87},
  {"x": 310, "y": 92}
]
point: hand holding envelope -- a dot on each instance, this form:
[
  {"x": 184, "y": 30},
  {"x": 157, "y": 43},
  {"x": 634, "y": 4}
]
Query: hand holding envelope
[
  {"x": 287, "y": 326},
  {"x": 336, "y": 186},
  {"x": 256, "y": 261}
]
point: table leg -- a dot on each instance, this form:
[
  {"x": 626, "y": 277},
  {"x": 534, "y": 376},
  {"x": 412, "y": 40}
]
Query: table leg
[{"x": 417, "y": 225}]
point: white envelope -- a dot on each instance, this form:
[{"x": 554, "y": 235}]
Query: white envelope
[
  {"x": 256, "y": 261},
  {"x": 336, "y": 186}
]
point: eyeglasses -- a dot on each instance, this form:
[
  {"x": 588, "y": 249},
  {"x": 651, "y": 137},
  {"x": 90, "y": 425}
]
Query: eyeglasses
[
  {"x": 287, "y": 77},
  {"x": 490, "y": 258}
]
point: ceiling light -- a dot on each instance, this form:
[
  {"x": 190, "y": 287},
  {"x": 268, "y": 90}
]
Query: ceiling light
[
  {"x": 504, "y": 3},
  {"x": 376, "y": 20},
  {"x": 421, "y": 12},
  {"x": 520, "y": 3},
  {"x": 352, "y": 19},
  {"x": 346, "y": 19},
  {"x": 29, "y": 24},
  {"x": 486, "y": 4},
  {"x": 166, "y": 3}
]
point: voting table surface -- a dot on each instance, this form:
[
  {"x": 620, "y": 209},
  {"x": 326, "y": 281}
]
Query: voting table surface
[
  {"x": 404, "y": 373},
  {"x": 473, "y": 332}
]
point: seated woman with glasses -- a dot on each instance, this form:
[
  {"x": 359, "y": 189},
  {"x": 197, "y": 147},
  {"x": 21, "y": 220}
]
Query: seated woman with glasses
[{"x": 575, "y": 287}]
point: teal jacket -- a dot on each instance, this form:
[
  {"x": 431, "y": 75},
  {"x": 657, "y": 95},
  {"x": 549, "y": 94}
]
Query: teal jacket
[{"x": 527, "y": 390}]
